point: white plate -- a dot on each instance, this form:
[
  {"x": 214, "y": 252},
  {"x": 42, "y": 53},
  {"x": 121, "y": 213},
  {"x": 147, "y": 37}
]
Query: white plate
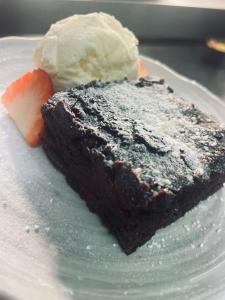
[{"x": 69, "y": 254}]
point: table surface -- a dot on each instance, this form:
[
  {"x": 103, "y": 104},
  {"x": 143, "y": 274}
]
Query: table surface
[{"x": 193, "y": 60}]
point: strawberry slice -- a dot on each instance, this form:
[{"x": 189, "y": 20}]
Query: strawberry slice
[
  {"x": 142, "y": 71},
  {"x": 23, "y": 100}
]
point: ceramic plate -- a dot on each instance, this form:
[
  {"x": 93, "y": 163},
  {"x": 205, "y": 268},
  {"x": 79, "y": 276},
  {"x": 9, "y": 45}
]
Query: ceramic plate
[{"x": 52, "y": 247}]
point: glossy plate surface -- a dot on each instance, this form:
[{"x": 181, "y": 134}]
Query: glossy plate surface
[{"x": 52, "y": 247}]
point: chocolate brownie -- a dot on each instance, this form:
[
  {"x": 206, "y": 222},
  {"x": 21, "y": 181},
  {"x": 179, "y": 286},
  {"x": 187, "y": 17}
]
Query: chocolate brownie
[{"x": 139, "y": 155}]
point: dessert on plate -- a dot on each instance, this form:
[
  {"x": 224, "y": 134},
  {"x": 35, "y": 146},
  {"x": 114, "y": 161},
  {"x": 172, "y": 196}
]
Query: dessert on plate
[{"x": 138, "y": 154}]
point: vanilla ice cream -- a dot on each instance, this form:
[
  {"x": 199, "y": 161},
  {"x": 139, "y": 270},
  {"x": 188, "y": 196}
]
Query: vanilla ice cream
[{"x": 82, "y": 48}]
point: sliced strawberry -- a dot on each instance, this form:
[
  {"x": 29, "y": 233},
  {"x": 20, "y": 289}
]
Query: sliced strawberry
[
  {"x": 142, "y": 71},
  {"x": 23, "y": 100}
]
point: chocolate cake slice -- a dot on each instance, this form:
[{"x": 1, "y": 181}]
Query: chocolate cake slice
[{"x": 139, "y": 155}]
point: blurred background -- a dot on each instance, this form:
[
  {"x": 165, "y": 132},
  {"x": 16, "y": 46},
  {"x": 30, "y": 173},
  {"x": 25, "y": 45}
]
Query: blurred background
[{"x": 172, "y": 31}]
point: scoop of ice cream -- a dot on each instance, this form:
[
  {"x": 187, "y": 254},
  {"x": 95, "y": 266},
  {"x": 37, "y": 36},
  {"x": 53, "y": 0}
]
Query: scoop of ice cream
[{"x": 82, "y": 48}]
